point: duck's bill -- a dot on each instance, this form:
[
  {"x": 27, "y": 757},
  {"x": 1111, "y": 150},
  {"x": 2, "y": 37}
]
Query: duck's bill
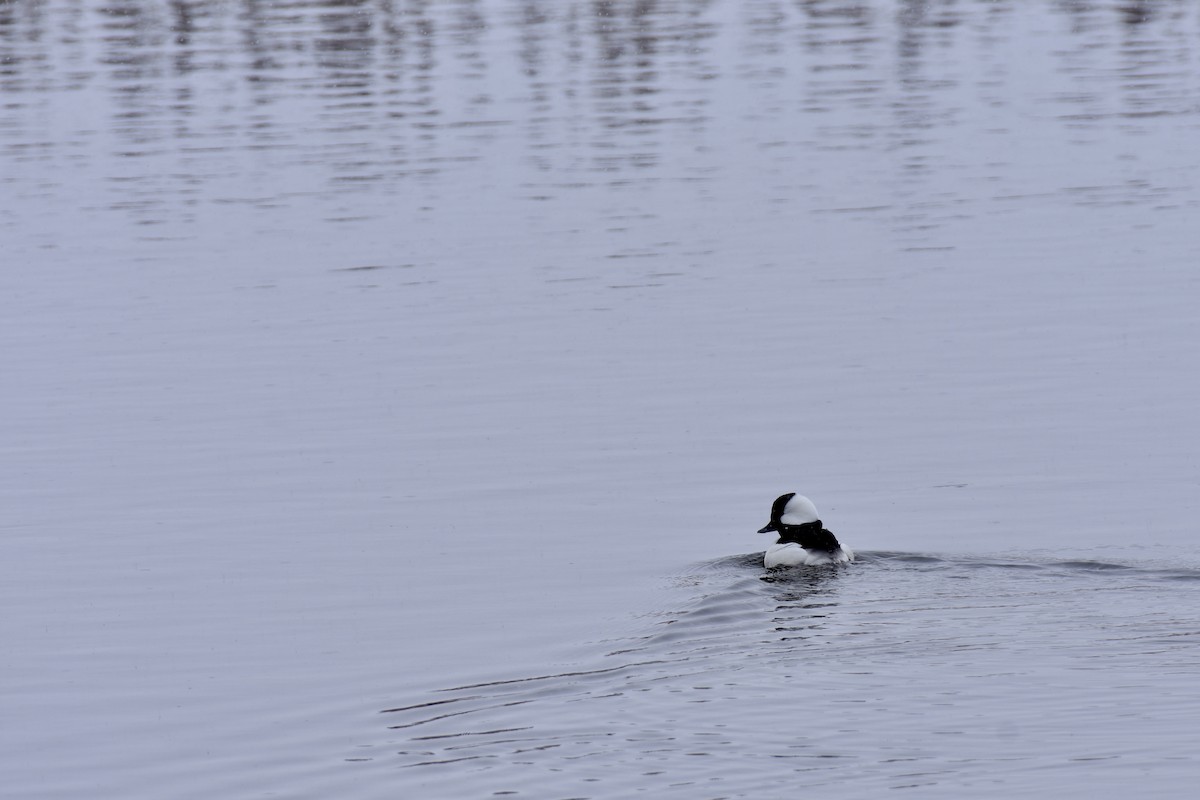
[{"x": 768, "y": 528}]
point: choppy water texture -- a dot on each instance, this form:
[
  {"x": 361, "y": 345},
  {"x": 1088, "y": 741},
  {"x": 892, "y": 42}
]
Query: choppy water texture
[{"x": 390, "y": 354}]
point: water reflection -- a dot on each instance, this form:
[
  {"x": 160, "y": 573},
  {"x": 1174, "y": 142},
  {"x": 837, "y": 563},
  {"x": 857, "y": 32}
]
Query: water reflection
[{"x": 163, "y": 100}]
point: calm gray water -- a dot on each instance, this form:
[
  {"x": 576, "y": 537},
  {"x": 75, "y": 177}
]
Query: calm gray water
[{"x": 391, "y": 391}]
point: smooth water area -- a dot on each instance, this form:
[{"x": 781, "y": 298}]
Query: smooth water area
[{"x": 391, "y": 392}]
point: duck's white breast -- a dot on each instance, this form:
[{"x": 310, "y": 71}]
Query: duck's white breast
[{"x": 791, "y": 554}]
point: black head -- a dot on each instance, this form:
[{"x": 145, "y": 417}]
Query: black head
[{"x": 777, "y": 513}]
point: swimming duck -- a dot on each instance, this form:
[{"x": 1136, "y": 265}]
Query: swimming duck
[{"x": 802, "y": 537}]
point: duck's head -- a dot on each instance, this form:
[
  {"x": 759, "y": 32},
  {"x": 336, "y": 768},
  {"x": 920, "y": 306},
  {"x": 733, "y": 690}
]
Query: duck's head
[{"x": 790, "y": 510}]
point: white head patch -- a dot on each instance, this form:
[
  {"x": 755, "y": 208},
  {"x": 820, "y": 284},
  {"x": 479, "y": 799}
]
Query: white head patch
[{"x": 799, "y": 511}]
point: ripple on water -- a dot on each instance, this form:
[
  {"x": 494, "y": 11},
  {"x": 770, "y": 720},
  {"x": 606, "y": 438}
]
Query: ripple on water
[{"x": 902, "y": 670}]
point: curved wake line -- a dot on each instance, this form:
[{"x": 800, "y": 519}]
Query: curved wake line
[
  {"x": 1081, "y": 566},
  {"x": 742, "y": 637}
]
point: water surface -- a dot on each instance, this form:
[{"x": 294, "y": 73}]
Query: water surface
[
  {"x": 940, "y": 675},
  {"x": 358, "y": 351}
]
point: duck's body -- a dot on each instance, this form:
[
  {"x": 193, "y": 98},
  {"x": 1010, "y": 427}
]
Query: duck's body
[
  {"x": 790, "y": 554},
  {"x": 803, "y": 539}
]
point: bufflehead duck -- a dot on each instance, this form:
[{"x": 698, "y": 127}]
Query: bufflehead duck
[{"x": 802, "y": 537}]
